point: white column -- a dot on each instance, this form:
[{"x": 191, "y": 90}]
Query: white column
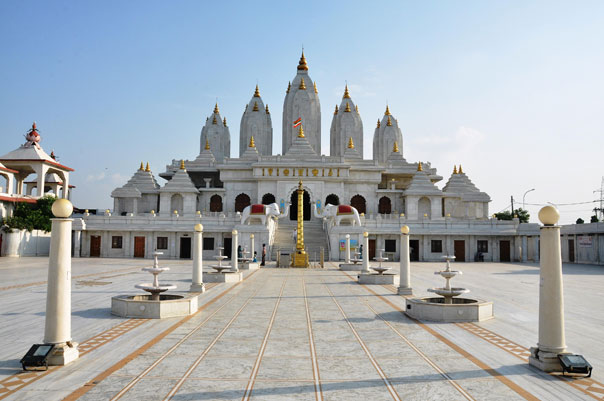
[
  {"x": 524, "y": 248},
  {"x": 197, "y": 281},
  {"x": 551, "y": 298},
  {"x": 365, "y": 252},
  {"x": 404, "y": 287},
  {"x": 234, "y": 256},
  {"x": 252, "y": 246},
  {"x": 347, "y": 255},
  {"x": 57, "y": 328}
]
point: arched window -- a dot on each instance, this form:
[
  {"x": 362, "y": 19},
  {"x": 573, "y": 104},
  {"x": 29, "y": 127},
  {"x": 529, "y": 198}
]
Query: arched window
[
  {"x": 176, "y": 203},
  {"x": 267, "y": 199},
  {"x": 332, "y": 199},
  {"x": 385, "y": 206},
  {"x": 241, "y": 202},
  {"x": 424, "y": 207},
  {"x": 359, "y": 203},
  {"x": 216, "y": 203}
]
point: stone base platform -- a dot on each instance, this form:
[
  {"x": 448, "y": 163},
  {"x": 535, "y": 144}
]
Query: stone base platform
[
  {"x": 226, "y": 277},
  {"x": 545, "y": 361},
  {"x": 462, "y": 310},
  {"x": 141, "y": 306},
  {"x": 249, "y": 266},
  {"x": 351, "y": 267},
  {"x": 62, "y": 354},
  {"x": 197, "y": 288},
  {"x": 380, "y": 279}
]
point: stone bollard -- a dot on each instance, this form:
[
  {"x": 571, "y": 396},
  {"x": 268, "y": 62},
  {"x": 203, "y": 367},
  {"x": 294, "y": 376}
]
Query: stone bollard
[
  {"x": 234, "y": 256},
  {"x": 405, "y": 267},
  {"x": 365, "y": 252},
  {"x": 197, "y": 284},
  {"x": 347, "y": 254},
  {"x": 57, "y": 328},
  {"x": 551, "y": 298}
]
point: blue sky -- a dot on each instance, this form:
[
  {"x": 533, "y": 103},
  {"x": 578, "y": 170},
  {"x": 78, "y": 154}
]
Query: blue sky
[{"x": 512, "y": 90}]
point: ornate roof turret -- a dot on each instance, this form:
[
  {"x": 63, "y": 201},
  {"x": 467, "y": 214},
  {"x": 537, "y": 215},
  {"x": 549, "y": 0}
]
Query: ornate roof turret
[
  {"x": 301, "y": 148},
  {"x": 180, "y": 182},
  {"x": 386, "y": 133},
  {"x": 421, "y": 184},
  {"x": 395, "y": 157},
  {"x": 257, "y": 125},
  {"x": 346, "y": 126},
  {"x": 460, "y": 184},
  {"x": 216, "y": 134},
  {"x": 142, "y": 182},
  {"x": 302, "y": 66}
]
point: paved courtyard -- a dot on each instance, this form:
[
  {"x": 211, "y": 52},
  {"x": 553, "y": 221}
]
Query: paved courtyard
[{"x": 282, "y": 334}]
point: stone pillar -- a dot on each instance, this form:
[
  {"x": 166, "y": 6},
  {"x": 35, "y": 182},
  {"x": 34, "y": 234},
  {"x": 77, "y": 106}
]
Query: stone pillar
[
  {"x": 404, "y": 287},
  {"x": 77, "y": 243},
  {"x": 197, "y": 280},
  {"x": 347, "y": 254},
  {"x": 551, "y": 298},
  {"x": 365, "y": 252},
  {"x": 57, "y": 328},
  {"x": 524, "y": 248},
  {"x": 234, "y": 256},
  {"x": 252, "y": 246}
]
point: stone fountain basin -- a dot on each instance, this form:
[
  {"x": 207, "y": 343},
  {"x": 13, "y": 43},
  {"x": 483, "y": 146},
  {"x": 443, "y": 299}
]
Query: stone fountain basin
[
  {"x": 460, "y": 310},
  {"x": 151, "y": 288},
  {"x": 141, "y": 306},
  {"x": 379, "y": 279},
  {"x": 448, "y": 274},
  {"x": 155, "y": 270},
  {"x": 449, "y": 292}
]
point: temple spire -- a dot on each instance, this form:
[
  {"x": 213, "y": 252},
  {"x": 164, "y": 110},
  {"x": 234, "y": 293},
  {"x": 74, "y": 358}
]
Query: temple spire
[
  {"x": 302, "y": 64},
  {"x": 300, "y": 132},
  {"x": 289, "y": 86},
  {"x": 347, "y": 110},
  {"x": 315, "y": 85},
  {"x": 267, "y": 112},
  {"x": 389, "y": 122},
  {"x": 395, "y": 147},
  {"x": 147, "y": 169},
  {"x": 387, "y": 112},
  {"x": 378, "y": 123},
  {"x": 346, "y": 93},
  {"x": 454, "y": 169},
  {"x": 216, "y": 110},
  {"x": 141, "y": 168},
  {"x": 257, "y": 92},
  {"x": 460, "y": 170},
  {"x": 252, "y": 143},
  {"x": 207, "y": 144},
  {"x": 255, "y": 106},
  {"x": 350, "y": 143},
  {"x": 420, "y": 167},
  {"x": 336, "y": 111},
  {"x": 302, "y": 84},
  {"x": 182, "y": 164}
]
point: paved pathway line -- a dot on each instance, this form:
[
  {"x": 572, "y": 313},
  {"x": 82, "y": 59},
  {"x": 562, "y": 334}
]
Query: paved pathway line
[
  {"x": 377, "y": 367},
  {"x": 103, "y": 375},
  {"x": 250, "y": 385},
  {"x": 516, "y": 388},
  {"x": 196, "y": 363},
  {"x": 311, "y": 340},
  {"x": 586, "y": 385},
  {"x": 424, "y": 356}
]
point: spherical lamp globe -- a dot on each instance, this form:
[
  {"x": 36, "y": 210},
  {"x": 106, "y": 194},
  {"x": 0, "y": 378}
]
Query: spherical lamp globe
[
  {"x": 365, "y": 234},
  {"x": 405, "y": 230},
  {"x": 549, "y": 215},
  {"x": 62, "y": 208},
  {"x": 198, "y": 228}
]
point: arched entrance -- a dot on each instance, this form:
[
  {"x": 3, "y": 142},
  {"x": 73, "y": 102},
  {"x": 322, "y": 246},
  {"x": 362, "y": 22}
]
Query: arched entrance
[
  {"x": 293, "y": 208},
  {"x": 267, "y": 199},
  {"x": 385, "y": 206},
  {"x": 241, "y": 202},
  {"x": 332, "y": 199},
  {"x": 358, "y": 202},
  {"x": 216, "y": 203}
]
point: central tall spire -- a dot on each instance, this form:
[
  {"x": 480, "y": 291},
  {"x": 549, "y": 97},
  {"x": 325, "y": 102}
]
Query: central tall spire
[{"x": 302, "y": 101}]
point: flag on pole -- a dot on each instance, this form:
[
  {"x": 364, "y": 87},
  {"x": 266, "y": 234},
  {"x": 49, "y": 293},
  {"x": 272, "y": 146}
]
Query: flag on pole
[{"x": 298, "y": 122}]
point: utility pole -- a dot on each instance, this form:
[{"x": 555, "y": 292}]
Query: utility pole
[
  {"x": 512, "y": 206},
  {"x": 600, "y": 209}
]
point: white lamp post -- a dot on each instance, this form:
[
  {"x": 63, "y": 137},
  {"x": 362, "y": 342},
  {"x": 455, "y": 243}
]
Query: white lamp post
[
  {"x": 197, "y": 281},
  {"x": 405, "y": 266}
]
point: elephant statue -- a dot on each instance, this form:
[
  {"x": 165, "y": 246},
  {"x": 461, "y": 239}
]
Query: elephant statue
[
  {"x": 261, "y": 212},
  {"x": 339, "y": 213}
]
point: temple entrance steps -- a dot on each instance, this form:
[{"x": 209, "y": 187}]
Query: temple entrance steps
[{"x": 315, "y": 238}]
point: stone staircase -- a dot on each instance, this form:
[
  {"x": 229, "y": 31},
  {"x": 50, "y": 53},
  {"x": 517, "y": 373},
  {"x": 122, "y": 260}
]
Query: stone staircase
[{"x": 314, "y": 238}]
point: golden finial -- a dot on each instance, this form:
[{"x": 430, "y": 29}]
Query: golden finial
[
  {"x": 389, "y": 122},
  {"x": 350, "y": 143},
  {"x": 347, "y": 109},
  {"x": 419, "y": 166},
  {"x": 207, "y": 144},
  {"x": 302, "y": 64},
  {"x": 224, "y": 122},
  {"x": 252, "y": 143},
  {"x": 395, "y": 147},
  {"x": 378, "y": 124},
  {"x": 216, "y": 108},
  {"x": 336, "y": 111},
  {"x": 387, "y": 112},
  {"x": 214, "y": 122},
  {"x": 182, "y": 164},
  {"x": 460, "y": 170},
  {"x": 147, "y": 169},
  {"x": 315, "y": 85},
  {"x": 346, "y": 93},
  {"x": 289, "y": 86},
  {"x": 257, "y": 92},
  {"x": 302, "y": 84},
  {"x": 267, "y": 112},
  {"x": 141, "y": 167},
  {"x": 356, "y": 108},
  {"x": 454, "y": 169},
  {"x": 255, "y": 106},
  {"x": 300, "y": 132}
]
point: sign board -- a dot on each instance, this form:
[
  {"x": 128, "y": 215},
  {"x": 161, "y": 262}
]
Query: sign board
[
  {"x": 353, "y": 244},
  {"x": 584, "y": 240}
]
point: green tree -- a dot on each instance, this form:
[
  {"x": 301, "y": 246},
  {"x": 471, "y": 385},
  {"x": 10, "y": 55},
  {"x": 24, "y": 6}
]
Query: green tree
[
  {"x": 27, "y": 216},
  {"x": 594, "y": 219},
  {"x": 523, "y": 215},
  {"x": 580, "y": 221}
]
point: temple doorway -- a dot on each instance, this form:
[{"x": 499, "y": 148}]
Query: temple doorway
[{"x": 293, "y": 208}]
